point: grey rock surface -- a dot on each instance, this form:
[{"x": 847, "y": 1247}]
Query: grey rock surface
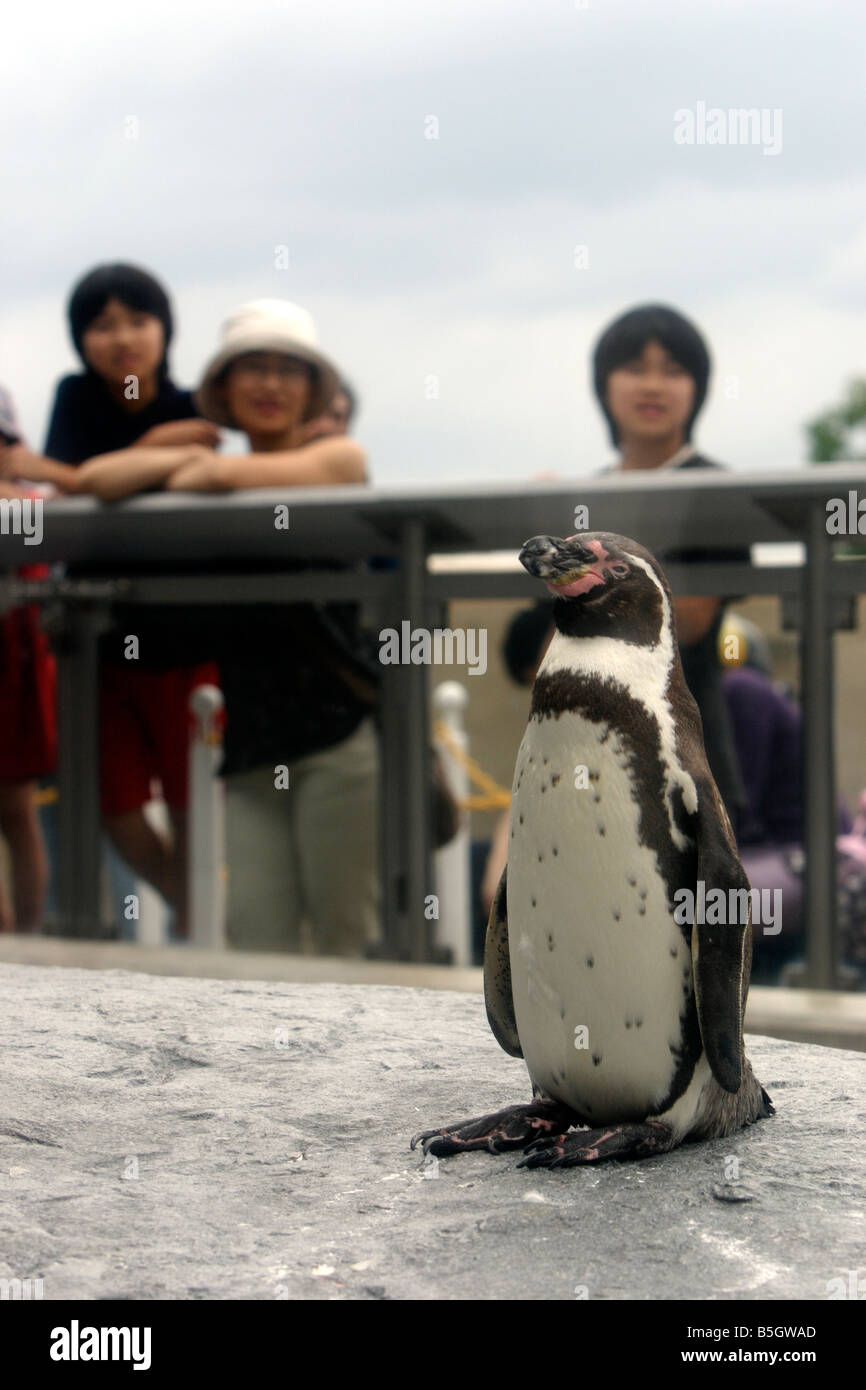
[{"x": 180, "y": 1138}]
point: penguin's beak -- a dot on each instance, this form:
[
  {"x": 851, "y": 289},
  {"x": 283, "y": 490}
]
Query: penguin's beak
[{"x": 555, "y": 561}]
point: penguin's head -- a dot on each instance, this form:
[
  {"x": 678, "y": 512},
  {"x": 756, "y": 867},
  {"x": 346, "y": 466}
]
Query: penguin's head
[{"x": 603, "y": 583}]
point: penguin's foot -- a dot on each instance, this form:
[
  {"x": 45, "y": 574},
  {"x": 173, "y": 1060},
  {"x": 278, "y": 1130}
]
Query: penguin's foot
[
  {"x": 511, "y": 1128},
  {"x": 593, "y": 1145}
]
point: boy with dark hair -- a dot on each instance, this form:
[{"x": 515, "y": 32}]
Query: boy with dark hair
[
  {"x": 623, "y": 343},
  {"x": 121, "y": 323},
  {"x": 651, "y": 370}
]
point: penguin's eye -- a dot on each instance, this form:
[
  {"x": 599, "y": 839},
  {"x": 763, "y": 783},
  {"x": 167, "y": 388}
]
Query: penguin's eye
[{"x": 618, "y": 571}]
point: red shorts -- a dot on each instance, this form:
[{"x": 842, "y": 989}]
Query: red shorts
[
  {"x": 144, "y": 734},
  {"x": 28, "y": 693},
  {"x": 28, "y": 698}
]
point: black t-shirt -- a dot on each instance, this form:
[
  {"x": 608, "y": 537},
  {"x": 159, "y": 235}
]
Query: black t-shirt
[
  {"x": 86, "y": 419},
  {"x": 703, "y": 672},
  {"x": 296, "y": 679}
]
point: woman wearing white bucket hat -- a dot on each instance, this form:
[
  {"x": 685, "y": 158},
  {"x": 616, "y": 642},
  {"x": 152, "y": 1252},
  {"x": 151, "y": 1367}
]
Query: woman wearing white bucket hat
[
  {"x": 267, "y": 379},
  {"x": 266, "y": 325},
  {"x": 302, "y": 848},
  {"x": 298, "y": 687}
]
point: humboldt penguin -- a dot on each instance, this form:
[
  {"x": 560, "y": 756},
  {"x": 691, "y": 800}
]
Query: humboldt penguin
[{"x": 624, "y": 1001}]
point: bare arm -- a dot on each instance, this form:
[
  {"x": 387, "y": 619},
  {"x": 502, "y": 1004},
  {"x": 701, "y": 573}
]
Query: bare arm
[
  {"x": 9, "y": 490},
  {"x": 111, "y": 476},
  {"x": 319, "y": 464},
  {"x": 17, "y": 461},
  {"x": 496, "y": 861}
]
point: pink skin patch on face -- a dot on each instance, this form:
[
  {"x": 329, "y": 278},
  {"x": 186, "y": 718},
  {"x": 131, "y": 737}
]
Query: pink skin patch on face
[{"x": 584, "y": 582}]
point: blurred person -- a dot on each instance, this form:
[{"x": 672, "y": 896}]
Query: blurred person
[
  {"x": 28, "y": 719},
  {"x": 121, "y": 324},
  {"x": 125, "y": 401},
  {"x": 301, "y": 753},
  {"x": 651, "y": 370},
  {"x": 337, "y": 417},
  {"x": 767, "y": 727},
  {"x": 299, "y": 691}
]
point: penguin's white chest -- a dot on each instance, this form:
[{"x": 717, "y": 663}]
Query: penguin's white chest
[{"x": 600, "y": 972}]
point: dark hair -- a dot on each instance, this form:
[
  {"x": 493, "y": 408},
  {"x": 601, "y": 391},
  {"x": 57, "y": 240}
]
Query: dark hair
[
  {"x": 524, "y": 639},
  {"x": 351, "y": 396},
  {"x": 626, "y": 338},
  {"x": 133, "y": 287}
]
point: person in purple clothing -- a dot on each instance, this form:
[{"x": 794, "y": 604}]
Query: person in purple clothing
[
  {"x": 651, "y": 371},
  {"x": 767, "y": 727}
]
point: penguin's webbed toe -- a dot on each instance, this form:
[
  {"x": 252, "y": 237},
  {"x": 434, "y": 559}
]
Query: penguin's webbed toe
[
  {"x": 511, "y": 1128},
  {"x": 594, "y": 1145}
]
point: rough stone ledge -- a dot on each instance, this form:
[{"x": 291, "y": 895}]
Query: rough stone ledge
[{"x": 165, "y": 1137}]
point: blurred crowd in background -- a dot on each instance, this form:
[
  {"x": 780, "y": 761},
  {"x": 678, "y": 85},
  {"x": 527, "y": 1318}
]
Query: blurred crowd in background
[{"x": 300, "y": 683}]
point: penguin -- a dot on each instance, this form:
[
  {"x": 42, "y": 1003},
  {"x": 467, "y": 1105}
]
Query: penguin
[{"x": 599, "y": 971}]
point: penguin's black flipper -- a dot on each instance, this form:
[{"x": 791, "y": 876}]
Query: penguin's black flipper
[
  {"x": 497, "y": 975},
  {"x": 721, "y": 953}
]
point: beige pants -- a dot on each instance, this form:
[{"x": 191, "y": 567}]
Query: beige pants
[{"x": 303, "y": 861}]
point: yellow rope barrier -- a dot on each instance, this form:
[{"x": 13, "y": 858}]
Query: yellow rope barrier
[{"x": 494, "y": 798}]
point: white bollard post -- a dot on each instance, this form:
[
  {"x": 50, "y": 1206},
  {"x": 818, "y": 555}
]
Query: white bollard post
[
  {"x": 452, "y": 862},
  {"x": 153, "y": 912},
  {"x": 206, "y": 828}
]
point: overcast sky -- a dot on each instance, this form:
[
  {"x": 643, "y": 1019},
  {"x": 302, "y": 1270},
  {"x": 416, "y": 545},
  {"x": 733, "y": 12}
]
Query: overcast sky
[{"x": 305, "y": 124}]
